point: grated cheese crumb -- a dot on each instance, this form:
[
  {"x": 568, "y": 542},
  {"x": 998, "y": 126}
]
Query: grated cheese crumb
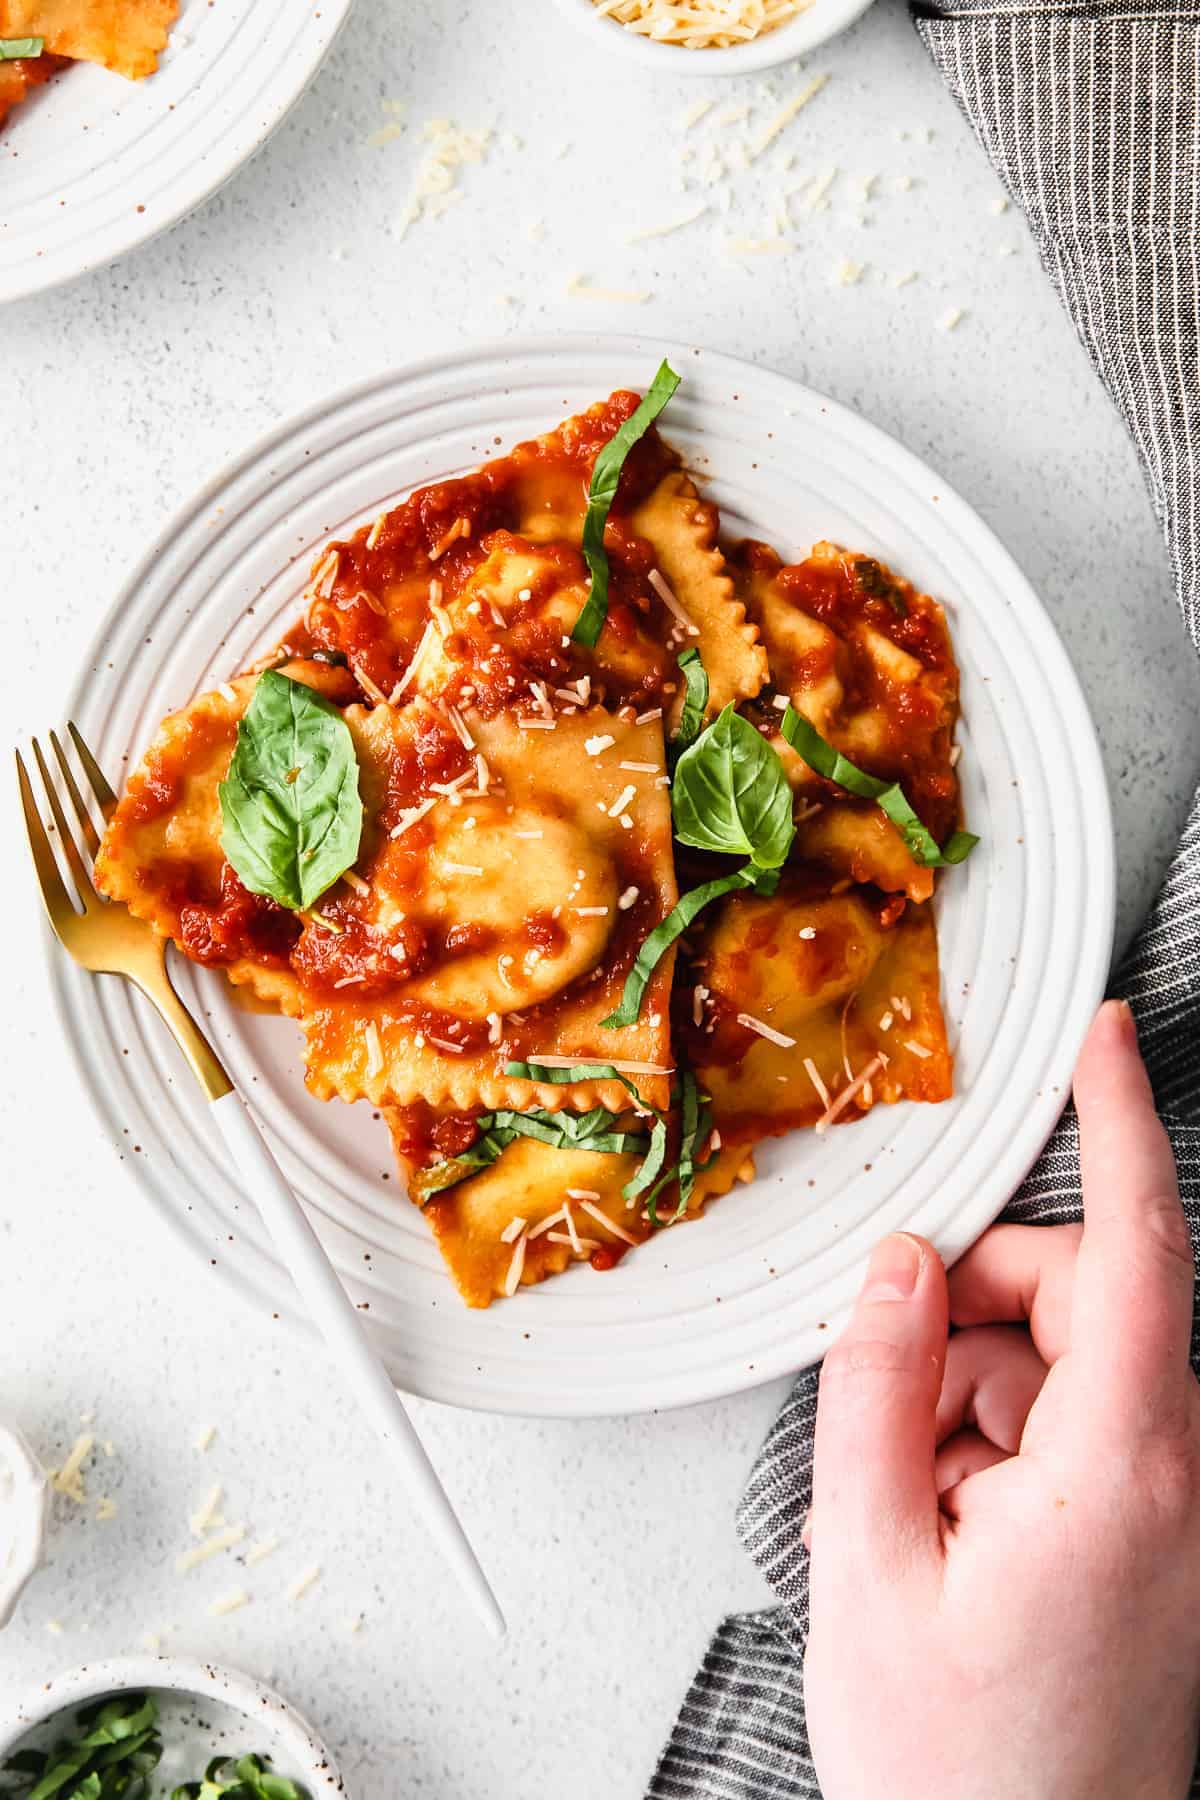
[
  {"x": 211, "y": 1546},
  {"x": 580, "y": 289},
  {"x": 303, "y": 1582},
  {"x": 766, "y": 1031},
  {"x": 230, "y": 1603},
  {"x": 513, "y": 1278},
  {"x": 206, "y": 1512},
  {"x": 259, "y": 1552}
]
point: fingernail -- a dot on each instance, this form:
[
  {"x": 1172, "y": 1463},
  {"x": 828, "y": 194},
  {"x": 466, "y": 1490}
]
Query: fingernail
[
  {"x": 1123, "y": 1017},
  {"x": 893, "y": 1269}
]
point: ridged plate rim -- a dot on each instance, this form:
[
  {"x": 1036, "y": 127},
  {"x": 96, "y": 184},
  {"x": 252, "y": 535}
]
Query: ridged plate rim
[{"x": 757, "y": 1288}]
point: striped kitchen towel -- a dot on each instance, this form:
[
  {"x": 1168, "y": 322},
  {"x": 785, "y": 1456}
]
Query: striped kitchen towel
[{"x": 1090, "y": 112}]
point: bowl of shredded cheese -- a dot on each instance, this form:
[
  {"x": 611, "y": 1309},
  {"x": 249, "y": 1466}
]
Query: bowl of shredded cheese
[{"x": 711, "y": 37}]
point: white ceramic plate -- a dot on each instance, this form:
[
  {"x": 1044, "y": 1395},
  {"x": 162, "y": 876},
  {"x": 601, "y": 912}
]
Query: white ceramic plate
[
  {"x": 755, "y": 1288},
  {"x": 94, "y": 164}
]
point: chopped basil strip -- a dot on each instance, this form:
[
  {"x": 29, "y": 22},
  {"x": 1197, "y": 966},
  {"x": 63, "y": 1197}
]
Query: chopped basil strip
[
  {"x": 13, "y": 48},
  {"x": 808, "y": 743},
  {"x": 653, "y": 1161},
  {"x": 290, "y": 802},
  {"x": 695, "y": 1123},
  {"x": 113, "y": 1759},
  {"x": 240, "y": 1778},
  {"x": 563, "y": 1131},
  {"x": 603, "y": 491},
  {"x": 730, "y": 794},
  {"x": 663, "y": 936},
  {"x": 657, "y": 1150},
  {"x": 695, "y": 699}
]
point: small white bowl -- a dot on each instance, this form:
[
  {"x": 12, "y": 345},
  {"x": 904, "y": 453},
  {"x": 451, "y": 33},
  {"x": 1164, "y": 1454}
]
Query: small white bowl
[
  {"x": 23, "y": 1504},
  {"x": 205, "y": 1711},
  {"x": 823, "y": 20}
]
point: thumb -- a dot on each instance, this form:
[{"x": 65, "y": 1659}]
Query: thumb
[{"x": 874, "y": 1488}]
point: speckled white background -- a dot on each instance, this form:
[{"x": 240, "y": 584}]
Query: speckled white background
[{"x": 611, "y": 1542}]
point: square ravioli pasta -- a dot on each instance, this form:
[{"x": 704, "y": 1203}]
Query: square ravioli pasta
[
  {"x": 499, "y": 895},
  {"x": 867, "y": 660},
  {"x": 470, "y": 589},
  {"x": 461, "y": 796},
  {"x": 808, "y": 1007},
  {"x": 539, "y": 1207}
]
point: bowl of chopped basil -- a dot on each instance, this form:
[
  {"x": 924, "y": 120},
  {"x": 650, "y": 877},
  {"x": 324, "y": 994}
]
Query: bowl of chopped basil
[{"x": 148, "y": 1725}]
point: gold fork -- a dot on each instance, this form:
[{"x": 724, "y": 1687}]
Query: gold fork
[{"x": 106, "y": 938}]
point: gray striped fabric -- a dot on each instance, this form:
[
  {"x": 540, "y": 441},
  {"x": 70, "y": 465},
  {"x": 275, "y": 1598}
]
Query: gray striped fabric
[{"x": 1091, "y": 116}]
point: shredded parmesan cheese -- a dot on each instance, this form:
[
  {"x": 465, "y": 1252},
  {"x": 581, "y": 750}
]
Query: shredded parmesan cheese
[
  {"x": 602, "y": 1218},
  {"x": 765, "y": 1031},
  {"x": 303, "y": 1582},
  {"x": 700, "y": 25},
  {"x": 512, "y": 1230},
  {"x": 663, "y": 590},
  {"x": 212, "y": 1546},
  {"x": 405, "y": 679},
  {"x": 811, "y": 1070},
  {"x": 374, "y": 1050},
  {"x": 861, "y": 1080},
  {"x": 513, "y": 1279},
  {"x": 259, "y": 1552},
  {"x": 581, "y": 1245},
  {"x": 594, "y": 745},
  {"x": 205, "y": 1437},
  {"x": 69, "y": 1479},
  {"x": 230, "y": 1603},
  {"x": 580, "y": 289},
  {"x": 917, "y": 1049},
  {"x": 555, "y": 1218},
  {"x": 411, "y": 816},
  {"x": 205, "y": 1514}
]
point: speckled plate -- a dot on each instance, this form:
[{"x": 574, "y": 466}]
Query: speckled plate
[
  {"x": 94, "y": 164},
  {"x": 755, "y": 1288}
]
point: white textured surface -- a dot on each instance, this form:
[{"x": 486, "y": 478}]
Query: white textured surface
[{"x": 612, "y": 1540}]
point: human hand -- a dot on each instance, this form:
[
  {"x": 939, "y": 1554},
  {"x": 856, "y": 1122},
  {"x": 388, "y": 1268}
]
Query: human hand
[{"x": 1035, "y": 1634}]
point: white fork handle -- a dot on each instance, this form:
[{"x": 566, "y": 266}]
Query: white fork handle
[{"x": 345, "y": 1337}]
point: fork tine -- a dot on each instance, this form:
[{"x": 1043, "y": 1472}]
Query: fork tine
[
  {"x": 94, "y": 773},
  {"x": 54, "y": 893},
  {"x": 91, "y": 836},
  {"x": 88, "y": 897}
]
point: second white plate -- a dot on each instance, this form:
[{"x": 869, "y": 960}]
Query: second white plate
[
  {"x": 757, "y": 1287},
  {"x": 95, "y": 164}
]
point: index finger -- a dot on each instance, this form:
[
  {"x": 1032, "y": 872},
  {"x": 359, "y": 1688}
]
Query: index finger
[{"x": 1131, "y": 1316}]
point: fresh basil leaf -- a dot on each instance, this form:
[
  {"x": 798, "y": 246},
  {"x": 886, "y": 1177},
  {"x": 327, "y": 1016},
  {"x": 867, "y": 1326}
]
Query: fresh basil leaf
[
  {"x": 695, "y": 699},
  {"x": 663, "y": 936},
  {"x": 290, "y": 803},
  {"x": 730, "y": 794},
  {"x": 606, "y": 475},
  {"x": 11, "y": 49},
  {"x": 808, "y": 743}
]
